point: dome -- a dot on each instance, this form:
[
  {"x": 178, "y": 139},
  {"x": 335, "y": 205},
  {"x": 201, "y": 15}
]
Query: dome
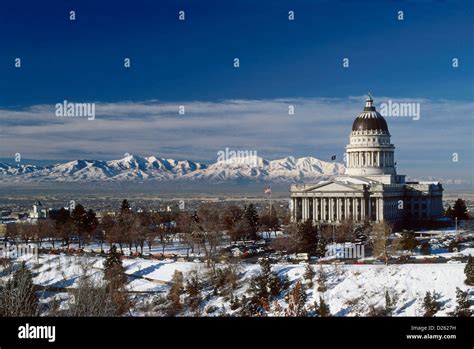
[{"x": 370, "y": 119}]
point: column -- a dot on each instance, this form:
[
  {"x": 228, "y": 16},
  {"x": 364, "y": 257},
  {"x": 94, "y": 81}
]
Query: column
[
  {"x": 377, "y": 210},
  {"x": 305, "y": 209},
  {"x": 380, "y": 210},
  {"x": 323, "y": 209},
  {"x": 318, "y": 208},
  {"x": 362, "y": 209},
  {"x": 354, "y": 208},
  {"x": 338, "y": 207},
  {"x": 330, "y": 209},
  {"x": 369, "y": 208},
  {"x": 315, "y": 209},
  {"x": 378, "y": 159},
  {"x": 293, "y": 209},
  {"x": 346, "y": 209}
]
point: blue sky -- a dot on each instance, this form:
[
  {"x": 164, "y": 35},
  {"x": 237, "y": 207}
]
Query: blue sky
[{"x": 176, "y": 62}]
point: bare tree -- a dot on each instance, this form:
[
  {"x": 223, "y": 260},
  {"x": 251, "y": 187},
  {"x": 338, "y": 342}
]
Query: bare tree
[
  {"x": 209, "y": 230},
  {"x": 90, "y": 297},
  {"x": 185, "y": 224},
  {"x": 18, "y": 297}
]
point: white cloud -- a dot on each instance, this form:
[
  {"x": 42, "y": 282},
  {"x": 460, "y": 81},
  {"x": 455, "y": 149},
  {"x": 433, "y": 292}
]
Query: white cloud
[{"x": 320, "y": 127}]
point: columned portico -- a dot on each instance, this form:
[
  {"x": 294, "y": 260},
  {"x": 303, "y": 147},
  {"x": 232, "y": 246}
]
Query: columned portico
[{"x": 371, "y": 189}]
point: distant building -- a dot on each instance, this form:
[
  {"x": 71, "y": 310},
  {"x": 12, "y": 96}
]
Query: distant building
[
  {"x": 38, "y": 211},
  {"x": 371, "y": 189}
]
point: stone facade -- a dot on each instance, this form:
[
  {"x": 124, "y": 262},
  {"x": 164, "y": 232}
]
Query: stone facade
[{"x": 370, "y": 190}]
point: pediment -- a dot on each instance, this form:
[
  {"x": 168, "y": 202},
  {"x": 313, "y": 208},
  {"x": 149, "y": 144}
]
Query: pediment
[{"x": 333, "y": 187}]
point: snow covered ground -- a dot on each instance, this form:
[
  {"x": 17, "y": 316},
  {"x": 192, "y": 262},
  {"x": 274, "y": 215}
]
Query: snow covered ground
[{"x": 351, "y": 289}]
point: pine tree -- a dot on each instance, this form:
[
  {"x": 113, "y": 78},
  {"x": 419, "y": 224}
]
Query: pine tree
[
  {"x": 463, "y": 304},
  {"x": 264, "y": 286},
  {"x": 425, "y": 248},
  {"x": 114, "y": 274},
  {"x": 430, "y": 304},
  {"x": 297, "y": 301},
  {"x": 193, "y": 290},
  {"x": 309, "y": 275},
  {"x": 321, "y": 247},
  {"x": 285, "y": 282},
  {"x": 449, "y": 212},
  {"x": 18, "y": 297},
  {"x": 321, "y": 280},
  {"x": 174, "y": 294},
  {"x": 307, "y": 236},
  {"x": 408, "y": 241},
  {"x": 251, "y": 216},
  {"x": 460, "y": 210},
  {"x": 125, "y": 207},
  {"x": 469, "y": 271},
  {"x": 389, "y": 304},
  {"x": 321, "y": 309},
  {"x": 79, "y": 220},
  {"x": 453, "y": 245}
]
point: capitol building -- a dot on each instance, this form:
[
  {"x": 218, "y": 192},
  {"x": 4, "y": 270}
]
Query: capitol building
[{"x": 370, "y": 189}]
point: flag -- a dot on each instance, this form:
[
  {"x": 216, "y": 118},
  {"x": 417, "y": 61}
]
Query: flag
[
  {"x": 333, "y": 157},
  {"x": 268, "y": 190}
]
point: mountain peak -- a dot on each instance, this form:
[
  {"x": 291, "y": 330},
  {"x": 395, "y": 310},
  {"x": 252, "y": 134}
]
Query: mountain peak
[{"x": 133, "y": 167}]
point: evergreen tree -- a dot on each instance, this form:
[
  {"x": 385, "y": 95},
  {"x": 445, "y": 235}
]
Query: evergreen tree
[
  {"x": 460, "y": 210},
  {"x": 453, "y": 245},
  {"x": 321, "y": 309},
  {"x": 251, "y": 216},
  {"x": 430, "y": 304},
  {"x": 285, "y": 282},
  {"x": 389, "y": 304},
  {"x": 449, "y": 212},
  {"x": 463, "y": 304},
  {"x": 114, "y": 272},
  {"x": 321, "y": 247},
  {"x": 18, "y": 297},
  {"x": 425, "y": 248},
  {"x": 264, "y": 286},
  {"x": 309, "y": 275},
  {"x": 297, "y": 301},
  {"x": 321, "y": 280},
  {"x": 307, "y": 236},
  {"x": 469, "y": 271},
  {"x": 193, "y": 290},
  {"x": 79, "y": 220},
  {"x": 91, "y": 221},
  {"x": 174, "y": 294},
  {"x": 125, "y": 207},
  {"x": 408, "y": 241}
]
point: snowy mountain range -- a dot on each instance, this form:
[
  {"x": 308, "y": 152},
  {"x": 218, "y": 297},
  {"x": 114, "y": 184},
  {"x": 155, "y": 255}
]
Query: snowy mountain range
[{"x": 137, "y": 168}]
